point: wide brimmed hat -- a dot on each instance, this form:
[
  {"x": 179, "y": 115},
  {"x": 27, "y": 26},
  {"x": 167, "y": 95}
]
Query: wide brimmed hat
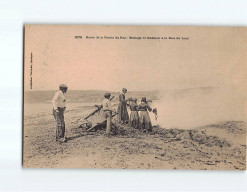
[
  {"x": 107, "y": 94},
  {"x": 63, "y": 86},
  {"x": 144, "y": 99}
]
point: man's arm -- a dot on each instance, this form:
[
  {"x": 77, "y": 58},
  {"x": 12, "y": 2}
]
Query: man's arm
[{"x": 54, "y": 100}]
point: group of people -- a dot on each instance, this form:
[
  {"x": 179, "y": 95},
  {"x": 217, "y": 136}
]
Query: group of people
[{"x": 139, "y": 121}]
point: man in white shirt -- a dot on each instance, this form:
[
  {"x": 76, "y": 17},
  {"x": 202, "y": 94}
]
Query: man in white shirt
[
  {"x": 59, "y": 106},
  {"x": 107, "y": 112}
]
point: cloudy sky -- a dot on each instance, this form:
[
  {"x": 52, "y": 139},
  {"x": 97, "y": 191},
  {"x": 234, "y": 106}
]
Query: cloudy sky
[{"x": 212, "y": 57}]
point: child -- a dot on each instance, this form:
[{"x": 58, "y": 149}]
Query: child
[
  {"x": 145, "y": 122},
  {"x": 134, "y": 117},
  {"x": 107, "y": 112},
  {"x": 154, "y": 118}
]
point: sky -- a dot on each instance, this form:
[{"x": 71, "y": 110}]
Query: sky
[{"x": 209, "y": 57}]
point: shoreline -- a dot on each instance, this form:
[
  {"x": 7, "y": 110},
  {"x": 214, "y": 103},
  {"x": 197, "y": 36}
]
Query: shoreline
[{"x": 220, "y": 146}]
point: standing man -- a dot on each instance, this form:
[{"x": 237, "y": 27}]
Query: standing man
[
  {"x": 107, "y": 112},
  {"x": 59, "y": 106}
]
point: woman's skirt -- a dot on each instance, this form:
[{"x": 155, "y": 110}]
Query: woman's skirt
[
  {"x": 145, "y": 122},
  {"x": 122, "y": 113},
  {"x": 134, "y": 119}
]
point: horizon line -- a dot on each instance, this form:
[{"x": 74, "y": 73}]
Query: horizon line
[{"x": 120, "y": 90}]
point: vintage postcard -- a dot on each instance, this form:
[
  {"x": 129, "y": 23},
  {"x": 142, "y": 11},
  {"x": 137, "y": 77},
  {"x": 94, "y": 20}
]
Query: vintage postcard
[{"x": 135, "y": 97}]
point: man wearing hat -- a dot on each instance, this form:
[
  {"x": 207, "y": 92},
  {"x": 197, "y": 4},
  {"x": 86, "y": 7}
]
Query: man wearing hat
[
  {"x": 59, "y": 106},
  {"x": 107, "y": 112}
]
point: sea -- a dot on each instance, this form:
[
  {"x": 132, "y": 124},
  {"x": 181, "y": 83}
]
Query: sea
[
  {"x": 39, "y": 102},
  {"x": 177, "y": 108}
]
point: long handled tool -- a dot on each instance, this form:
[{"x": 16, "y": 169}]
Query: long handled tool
[{"x": 95, "y": 111}]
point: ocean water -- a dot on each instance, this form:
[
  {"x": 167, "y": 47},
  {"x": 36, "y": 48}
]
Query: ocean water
[
  {"x": 39, "y": 102},
  {"x": 177, "y": 108}
]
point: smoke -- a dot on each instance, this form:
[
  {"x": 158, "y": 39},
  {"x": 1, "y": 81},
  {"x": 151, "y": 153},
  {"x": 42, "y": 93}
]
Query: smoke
[{"x": 199, "y": 107}]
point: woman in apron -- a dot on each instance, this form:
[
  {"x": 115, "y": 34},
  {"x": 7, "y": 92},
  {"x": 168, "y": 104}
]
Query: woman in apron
[
  {"x": 144, "y": 119},
  {"x": 134, "y": 116},
  {"x": 123, "y": 116}
]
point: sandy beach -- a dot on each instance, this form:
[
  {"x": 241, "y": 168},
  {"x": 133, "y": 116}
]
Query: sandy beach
[
  {"x": 194, "y": 76},
  {"x": 216, "y": 146}
]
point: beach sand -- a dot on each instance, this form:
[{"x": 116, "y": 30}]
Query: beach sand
[{"x": 216, "y": 146}]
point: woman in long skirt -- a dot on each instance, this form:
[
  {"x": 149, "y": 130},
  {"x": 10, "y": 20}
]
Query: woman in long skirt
[
  {"x": 144, "y": 119},
  {"x": 123, "y": 116},
  {"x": 134, "y": 117}
]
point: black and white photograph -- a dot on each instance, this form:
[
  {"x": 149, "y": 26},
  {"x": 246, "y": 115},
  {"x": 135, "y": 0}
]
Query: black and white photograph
[{"x": 134, "y": 97}]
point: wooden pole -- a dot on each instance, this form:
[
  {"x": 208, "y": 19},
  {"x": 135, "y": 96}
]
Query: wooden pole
[{"x": 98, "y": 108}]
